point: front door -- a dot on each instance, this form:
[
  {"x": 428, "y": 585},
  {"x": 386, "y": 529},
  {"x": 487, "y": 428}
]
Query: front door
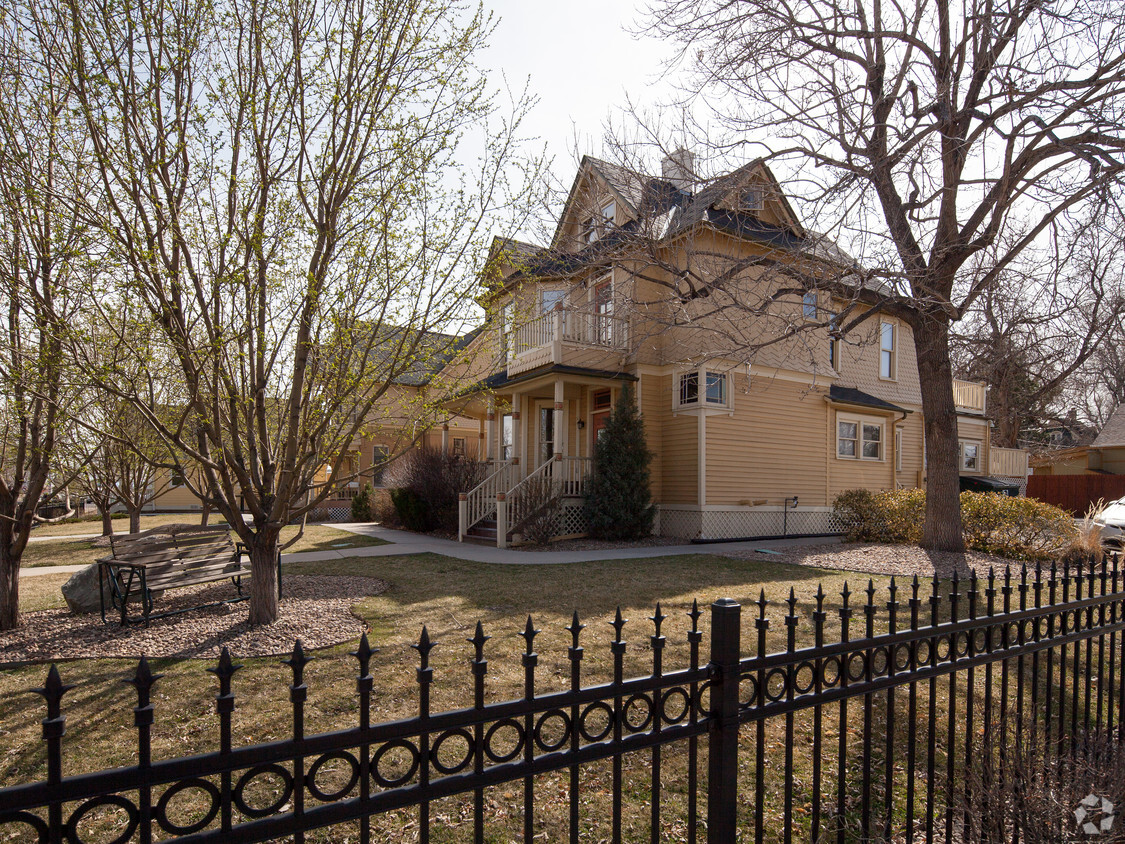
[
  {"x": 546, "y": 437},
  {"x": 599, "y": 421}
]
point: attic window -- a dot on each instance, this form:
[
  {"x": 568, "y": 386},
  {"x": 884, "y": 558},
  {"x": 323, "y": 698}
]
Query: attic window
[
  {"x": 596, "y": 226},
  {"x": 752, "y": 199}
]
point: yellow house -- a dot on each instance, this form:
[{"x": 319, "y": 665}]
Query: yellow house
[{"x": 740, "y": 450}]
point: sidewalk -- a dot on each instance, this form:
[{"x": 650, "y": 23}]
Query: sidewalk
[{"x": 402, "y": 542}]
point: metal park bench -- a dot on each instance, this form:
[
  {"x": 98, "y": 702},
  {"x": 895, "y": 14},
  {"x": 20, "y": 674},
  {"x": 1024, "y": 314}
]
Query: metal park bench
[{"x": 159, "y": 559}]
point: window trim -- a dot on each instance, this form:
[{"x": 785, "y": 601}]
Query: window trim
[
  {"x": 860, "y": 421},
  {"x": 892, "y": 352}
]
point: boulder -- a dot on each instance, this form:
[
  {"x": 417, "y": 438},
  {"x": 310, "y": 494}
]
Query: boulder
[{"x": 81, "y": 591}]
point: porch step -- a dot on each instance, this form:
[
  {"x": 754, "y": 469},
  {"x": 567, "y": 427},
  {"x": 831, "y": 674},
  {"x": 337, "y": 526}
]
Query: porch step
[{"x": 483, "y": 531}]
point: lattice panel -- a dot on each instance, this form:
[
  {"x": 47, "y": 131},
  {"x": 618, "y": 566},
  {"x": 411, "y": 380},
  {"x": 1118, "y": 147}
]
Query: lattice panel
[
  {"x": 1021, "y": 481},
  {"x": 750, "y": 523},
  {"x": 571, "y": 520},
  {"x": 683, "y": 524}
]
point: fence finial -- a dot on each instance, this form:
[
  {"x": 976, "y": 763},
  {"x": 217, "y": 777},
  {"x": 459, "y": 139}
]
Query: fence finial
[
  {"x": 529, "y": 633},
  {"x": 52, "y": 691},
  {"x": 574, "y": 628},
  {"x": 142, "y": 680},
  {"x": 297, "y": 661},
  {"x": 478, "y": 639},
  {"x": 618, "y": 624},
  {"x": 424, "y": 646}
]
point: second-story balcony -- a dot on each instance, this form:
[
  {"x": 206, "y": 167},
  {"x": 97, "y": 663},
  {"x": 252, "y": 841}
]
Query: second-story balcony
[
  {"x": 570, "y": 336},
  {"x": 969, "y": 396}
]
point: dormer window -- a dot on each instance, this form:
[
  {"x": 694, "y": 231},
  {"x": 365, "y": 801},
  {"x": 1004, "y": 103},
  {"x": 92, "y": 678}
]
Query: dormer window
[
  {"x": 596, "y": 226},
  {"x": 752, "y": 199}
]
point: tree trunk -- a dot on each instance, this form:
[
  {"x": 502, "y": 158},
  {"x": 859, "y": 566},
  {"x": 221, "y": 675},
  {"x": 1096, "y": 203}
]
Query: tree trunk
[
  {"x": 134, "y": 520},
  {"x": 263, "y": 580},
  {"x": 942, "y": 529},
  {"x": 107, "y": 522},
  {"x": 205, "y": 516},
  {"x": 9, "y": 588}
]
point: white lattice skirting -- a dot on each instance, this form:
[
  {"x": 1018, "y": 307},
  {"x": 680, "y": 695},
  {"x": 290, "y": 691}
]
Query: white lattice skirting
[{"x": 745, "y": 522}]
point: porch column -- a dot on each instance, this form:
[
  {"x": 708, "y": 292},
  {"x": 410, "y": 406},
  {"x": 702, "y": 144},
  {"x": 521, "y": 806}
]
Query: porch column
[
  {"x": 560, "y": 419},
  {"x": 445, "y": 438},
  {"x": 490, "y": 430},
  {"x": 517, "y": 427},
  {"x": 480, "y": 441}
]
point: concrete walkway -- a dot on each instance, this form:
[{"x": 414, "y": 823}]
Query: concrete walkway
[{"x": 402, "y": 542}]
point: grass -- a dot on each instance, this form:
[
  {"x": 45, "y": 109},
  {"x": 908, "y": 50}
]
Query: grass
[
  {"x": 67, "y": 552},
  {"x": 448, "y": 596}
]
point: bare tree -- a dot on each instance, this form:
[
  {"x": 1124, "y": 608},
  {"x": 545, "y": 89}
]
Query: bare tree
[
  {"x": 44, "y": 247},
  {"x": 925, "y": 133},
  {"x": 284, "y": 198},
  {"x": 1032, "y": 333}
]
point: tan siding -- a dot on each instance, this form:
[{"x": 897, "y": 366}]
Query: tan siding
[
  {"x": 911, "y": 430},
  {"x": 848, "y": 473},
  {"x": 655, "y": 411},
  {"x": 859, "y": 364},
  {"x": 771, "y": 448},
  {"x": 680, "y": 463}
]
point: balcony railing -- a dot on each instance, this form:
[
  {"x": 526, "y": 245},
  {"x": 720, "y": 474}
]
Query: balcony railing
[
  {"x": 541, "y": 340},
  {"x": 970, "y": 396}
]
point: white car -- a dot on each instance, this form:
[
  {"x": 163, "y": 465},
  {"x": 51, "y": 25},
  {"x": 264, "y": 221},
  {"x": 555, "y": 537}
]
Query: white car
[{"x": 1112, "y": 522}]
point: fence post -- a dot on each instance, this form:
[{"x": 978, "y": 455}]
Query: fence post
[
  {"x": 722, "y": 748},
  {"x": 462, "y": 515}
]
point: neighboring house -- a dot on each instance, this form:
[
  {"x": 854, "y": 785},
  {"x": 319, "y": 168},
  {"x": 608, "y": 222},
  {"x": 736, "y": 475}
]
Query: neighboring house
[
  {"x": 1104, "y": 456},
  {"x": 739, "y": 451},
  {"x": 404, "y": 417}
]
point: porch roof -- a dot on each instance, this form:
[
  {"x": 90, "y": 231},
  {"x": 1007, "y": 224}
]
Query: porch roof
[
  {"x": 500, "y": 380},
  {"x": 850, "y": 395}
]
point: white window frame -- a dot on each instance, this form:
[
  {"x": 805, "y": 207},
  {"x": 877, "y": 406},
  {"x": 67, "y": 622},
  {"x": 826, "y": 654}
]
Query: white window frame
[
  {"x": 860, "y": 438},
  {"x": 961, "y": 458},
  {"x": 504, "y": 316},
  {"x": 705, "y": 377},
  {"x": 599, "y": 223},
  {"x": 759, "y": 195},
  {"x": 890, "y": 353}
]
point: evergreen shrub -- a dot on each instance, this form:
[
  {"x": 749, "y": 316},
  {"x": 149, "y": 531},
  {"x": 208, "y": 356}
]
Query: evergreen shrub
[{"x": 618, "y": 499}]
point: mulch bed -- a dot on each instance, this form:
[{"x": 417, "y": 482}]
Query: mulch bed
[
  {"x": 873, "y": 558},
  {"x": 316, "y": 610}
]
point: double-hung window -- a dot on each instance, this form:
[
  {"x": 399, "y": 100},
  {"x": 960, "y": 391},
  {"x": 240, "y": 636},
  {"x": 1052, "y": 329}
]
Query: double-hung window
[
  {"x": 970, "y": 456},
  {"x": 887, "y": 342},
  {"x": 859, "y": 438}
]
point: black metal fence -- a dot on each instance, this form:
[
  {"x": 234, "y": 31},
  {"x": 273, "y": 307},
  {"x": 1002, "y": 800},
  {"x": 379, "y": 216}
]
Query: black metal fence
[{"x": 889, "y": 730}]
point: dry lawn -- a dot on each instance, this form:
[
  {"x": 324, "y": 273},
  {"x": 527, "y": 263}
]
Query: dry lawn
[
  {"x": 448, "y": 596},
  {"x": 70, "y": 552}
]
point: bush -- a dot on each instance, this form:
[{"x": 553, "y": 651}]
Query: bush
[
  {"x": 383, "y": 510},
  {"x": 426, "y": 484},
  {"x": 618, "y": 501},
  {"x": 361, "y": 505},
  {"x": 893, "y": 517},
  {"x": 412, "y": 511},
  {"x": 1017, "y": 528}
]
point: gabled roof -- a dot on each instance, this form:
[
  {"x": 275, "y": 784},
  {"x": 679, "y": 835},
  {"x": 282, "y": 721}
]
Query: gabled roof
[
  {"x": 435, "y": 350},
  {"x": 666, "y": 210},
  {"x": 1113, "y": 432}
]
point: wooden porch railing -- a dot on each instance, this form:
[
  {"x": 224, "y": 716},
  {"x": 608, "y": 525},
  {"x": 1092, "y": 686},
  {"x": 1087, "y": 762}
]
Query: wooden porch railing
[
  {"x": 968, "y": 395},
  {"x": 574, "y": 326},
  {"x": 1010, "y": 462},
  {"x": 566, "y": 476},
  {"x": 480, "y": 502}
]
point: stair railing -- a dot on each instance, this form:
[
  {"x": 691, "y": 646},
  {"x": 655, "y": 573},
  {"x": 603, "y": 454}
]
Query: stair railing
[{"x": 479, "y": 503}]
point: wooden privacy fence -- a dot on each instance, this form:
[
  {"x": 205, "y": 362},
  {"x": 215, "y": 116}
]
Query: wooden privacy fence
[
  {"x": 1075, "y": 493},
  {"x": 888, "y": 728}
]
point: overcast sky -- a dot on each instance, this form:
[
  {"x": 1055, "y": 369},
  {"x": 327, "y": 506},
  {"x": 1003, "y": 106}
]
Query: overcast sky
[{"x": 581, "y": 63}]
